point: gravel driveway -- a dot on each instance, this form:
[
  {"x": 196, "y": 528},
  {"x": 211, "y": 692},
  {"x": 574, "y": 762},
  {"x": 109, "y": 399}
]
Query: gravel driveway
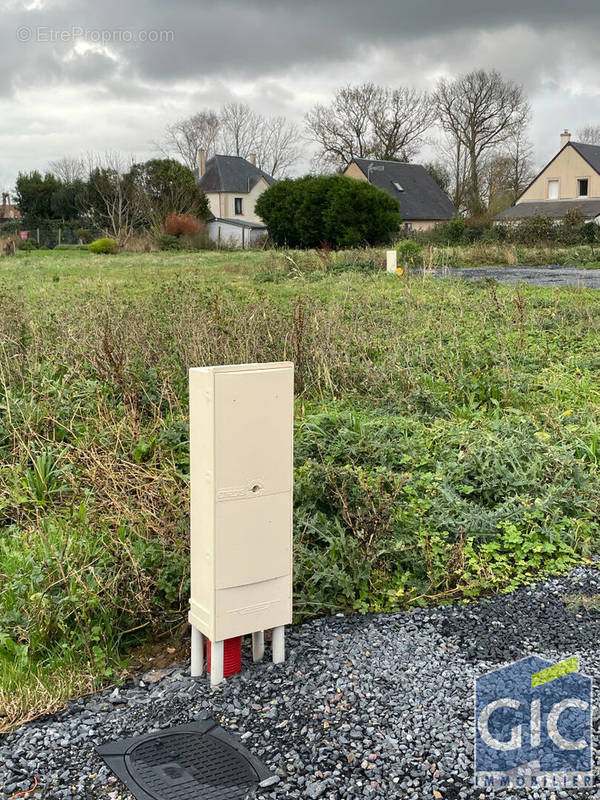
[
  {"x": 372, "y": 707},
  {"x": 551, "y": 276}
]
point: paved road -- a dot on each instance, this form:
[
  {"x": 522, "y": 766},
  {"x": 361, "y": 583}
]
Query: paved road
[{"x": 552, "y": 276}]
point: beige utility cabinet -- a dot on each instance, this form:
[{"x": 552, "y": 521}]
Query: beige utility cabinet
[{"x": 241, "y": 471}]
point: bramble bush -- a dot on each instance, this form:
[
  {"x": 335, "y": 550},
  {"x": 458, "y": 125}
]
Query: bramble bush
[{"x": 182, "y": 225}]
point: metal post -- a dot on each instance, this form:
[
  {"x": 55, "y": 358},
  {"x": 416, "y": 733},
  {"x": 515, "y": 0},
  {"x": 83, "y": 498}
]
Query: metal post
[
  {"x": 197, "y": 653},
  {"x": 279, "y": 644},
  {"x": 217, "y": 656},
  {"x": 258, "y": 645}
]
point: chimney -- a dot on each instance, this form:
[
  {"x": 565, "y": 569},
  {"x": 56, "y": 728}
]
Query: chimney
[
  {"x": 565, "y": 138},
  {"x": 201, "y": 162},
  {"x": 5, "y": 204},
  {"x": 252, "y": 159}
]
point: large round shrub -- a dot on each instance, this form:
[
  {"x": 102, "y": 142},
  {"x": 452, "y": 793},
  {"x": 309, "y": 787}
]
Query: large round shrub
[{"x": 331, "y": 210}]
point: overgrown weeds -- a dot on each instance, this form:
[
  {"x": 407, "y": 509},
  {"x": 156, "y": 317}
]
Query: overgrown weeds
[{"x": 446, "y": 443}]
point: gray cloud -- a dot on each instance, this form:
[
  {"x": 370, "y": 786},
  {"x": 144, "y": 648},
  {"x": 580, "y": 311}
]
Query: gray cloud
[{"x": 279, "y": 55}]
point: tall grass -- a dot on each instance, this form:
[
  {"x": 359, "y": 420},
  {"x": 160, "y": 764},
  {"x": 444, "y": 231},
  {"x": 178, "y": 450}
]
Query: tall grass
[{"x": 446, "y": 440}]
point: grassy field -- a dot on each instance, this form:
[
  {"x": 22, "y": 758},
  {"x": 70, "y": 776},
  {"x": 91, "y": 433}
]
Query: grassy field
[{"x": 447, "y": 441}]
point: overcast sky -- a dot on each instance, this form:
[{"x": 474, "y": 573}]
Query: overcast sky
[{"x": 63, "y": 90}]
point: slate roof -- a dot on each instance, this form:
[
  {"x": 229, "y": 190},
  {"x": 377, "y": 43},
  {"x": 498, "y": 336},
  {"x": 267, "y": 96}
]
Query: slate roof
[
  {"x": 230, "y": 174},
  {"x": 240, "y": 223},
  {"x": 420, "y": 199},
  {"x": 555, "y": 209},
  {"x": 591, "y": 153}
]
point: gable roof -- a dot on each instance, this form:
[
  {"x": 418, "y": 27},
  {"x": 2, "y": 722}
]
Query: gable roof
[
  {"x": 589, "y": 152},
  {"x": 419, "y": 195},
  {"x": 554, "y": 209},
  {"x": 230, "y": 174}
]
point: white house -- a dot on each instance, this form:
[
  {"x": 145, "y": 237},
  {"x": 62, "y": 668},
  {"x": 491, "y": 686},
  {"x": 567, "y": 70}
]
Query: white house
[{"x": 233, "y": 185}]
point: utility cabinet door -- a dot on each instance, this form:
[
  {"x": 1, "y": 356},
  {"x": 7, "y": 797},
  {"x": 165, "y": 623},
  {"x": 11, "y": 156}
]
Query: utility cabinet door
[
  {"x": 254, "y": 540},
  {"x": 253, "y": 433}
]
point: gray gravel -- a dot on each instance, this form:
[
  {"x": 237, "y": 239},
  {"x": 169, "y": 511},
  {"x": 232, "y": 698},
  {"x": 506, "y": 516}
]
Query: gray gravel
[
  {"x": 552, "y": 276},
  {"x": 373, "y": 707}
]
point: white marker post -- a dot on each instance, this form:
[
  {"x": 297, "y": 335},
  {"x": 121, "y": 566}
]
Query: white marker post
[{"x": 392, "y": 261}]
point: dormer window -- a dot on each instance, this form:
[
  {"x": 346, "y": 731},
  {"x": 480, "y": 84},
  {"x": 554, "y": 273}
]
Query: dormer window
[
  {"x": 397, "y": 186},
  {"x": 583, "y": 185}
]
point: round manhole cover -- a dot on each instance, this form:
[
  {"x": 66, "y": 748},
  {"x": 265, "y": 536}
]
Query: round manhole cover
[{"x": 177, "y": 765}]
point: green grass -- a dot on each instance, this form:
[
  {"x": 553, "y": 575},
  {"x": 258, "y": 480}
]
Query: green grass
[{"x": 447, "y": 440}]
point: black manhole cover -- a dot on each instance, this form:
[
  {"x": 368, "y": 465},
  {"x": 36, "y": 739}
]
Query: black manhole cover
[{"x": 189, "y": 762}]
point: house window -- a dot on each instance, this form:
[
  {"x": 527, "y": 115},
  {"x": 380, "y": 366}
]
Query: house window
[
  {"x": 553, "y": 190},
  {"x": 238, "y": 205},
  {"x": 582, "y": 187}
]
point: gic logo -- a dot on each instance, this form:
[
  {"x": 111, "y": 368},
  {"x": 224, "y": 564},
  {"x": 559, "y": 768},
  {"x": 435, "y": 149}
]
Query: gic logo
[{"x": 533, "y": 726}]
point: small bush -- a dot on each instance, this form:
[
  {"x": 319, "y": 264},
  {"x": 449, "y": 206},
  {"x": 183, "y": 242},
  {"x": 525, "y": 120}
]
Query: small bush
[
  {"x": 27, "y": 245},
  {"x": 410, "y": 252},
  {"x": 167, "y": 241},
  {"x": 142, "y": 243},
  {"x": 451, "y": 232},
  {"x": 534, "y": 231},
  {"x": 82, "y": 235},
  {"x": 104, "y": 246},
  {"x": 197, "y": 241},
  {"x": 182, "y": 225},
  {"x": 476, "y": 229}
]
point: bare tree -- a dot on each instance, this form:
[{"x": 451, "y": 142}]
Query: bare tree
[
  {"x": 480, "y": 111},
  {"x": 186, "y": 137},
  {"x": 343, "y": 129},
  {"x": 520, "y": 152},
  {"x": 440, "y": 173},
  {"x": 112, "y": 202},
  {"x": 452, "y": 156},
  {"x": 370, "y": 121},
  {"x": 589, "y": 134},
  {"x": 277, "y": 146},
  {"x": 400, "y": 119},
  {"x": 239, "y": 130},
  {"x": 235, "y": 130},
  {"x": 68, "y": 169}
]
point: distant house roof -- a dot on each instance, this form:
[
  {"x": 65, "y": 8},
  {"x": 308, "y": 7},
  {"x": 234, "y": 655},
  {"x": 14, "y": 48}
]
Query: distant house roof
[
  {"x": 591, "y": 153},
  {"x": 419, "y": 195},
  {"x": 240, "y": 223},
  {"x": 9, "y": 212},
  {"x": 230, "y": 174},
  {"x": 555, "y": 209}
]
